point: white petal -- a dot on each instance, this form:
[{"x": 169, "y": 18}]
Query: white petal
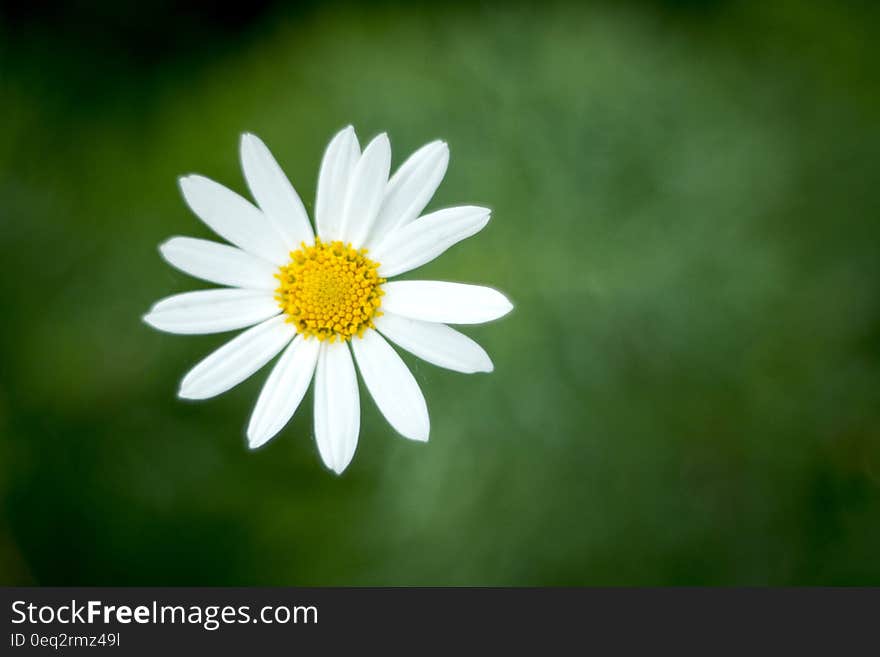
[
  {"x": 410, "y": 189},
  {"x": 437, "y": 301},
  {"x": 436, "y": 343},
  {"x": 283, "y": 391},
  {"x": 219, "y": 263},
  {"x": 424, "y": 239},
  {"x": 237, "y": 359},
  {"x": 365, "y": 191},
  {"x": 392, "y": 385},
  {"x": 337, "y": 406},
  {"x": 274, "y": 194},
  {"x": 212, "y": 311},
  {"x": 233, "y": 218},
  {"x": 340, "y": 158}
]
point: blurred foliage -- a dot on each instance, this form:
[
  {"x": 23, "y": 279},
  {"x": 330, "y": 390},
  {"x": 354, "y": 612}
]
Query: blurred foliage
[{"x": 686, "y": 213}]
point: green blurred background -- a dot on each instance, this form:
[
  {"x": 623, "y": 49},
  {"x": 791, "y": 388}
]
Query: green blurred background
[{"x": 686, "y": 204}]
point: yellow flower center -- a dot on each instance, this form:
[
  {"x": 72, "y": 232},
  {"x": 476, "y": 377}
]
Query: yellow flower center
[{"x": 330, "y": 291}]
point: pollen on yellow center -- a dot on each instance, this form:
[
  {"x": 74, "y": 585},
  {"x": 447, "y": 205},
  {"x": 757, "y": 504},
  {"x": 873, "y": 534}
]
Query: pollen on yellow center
[{"x": 330, "y": 291}]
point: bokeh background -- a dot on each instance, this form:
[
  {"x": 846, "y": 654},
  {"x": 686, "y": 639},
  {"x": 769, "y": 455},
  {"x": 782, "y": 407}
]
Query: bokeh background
[{"x": 686, "y": 204}]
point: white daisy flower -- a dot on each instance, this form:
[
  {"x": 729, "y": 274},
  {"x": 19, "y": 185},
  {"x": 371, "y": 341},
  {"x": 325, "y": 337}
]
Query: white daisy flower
[{"x": 321, "y": 295}]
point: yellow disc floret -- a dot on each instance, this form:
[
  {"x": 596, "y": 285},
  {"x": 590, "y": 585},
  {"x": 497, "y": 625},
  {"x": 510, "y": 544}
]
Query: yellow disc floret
[{"x": 330, "y": 291}]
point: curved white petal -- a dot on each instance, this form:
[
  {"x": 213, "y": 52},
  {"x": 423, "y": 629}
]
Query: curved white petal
[
  {"x": 438, "y": 344},
  {"x": 283, "y": 391},
  {"x": 438, "y": 301},
  {"x": 337, "y": 406},
  {"x": 340, "y": 158},
  {"x": 424, "y": 239},
  {"x": 274, "y": 194},
  {"x": 219, "y": 263},
  {"x": 237, "y": 359},
  {"x": 410, "y": 189},
  {"x": 392, "y": 386},
  {"x": 212, "y": 311},
  {"x": 233, "y": 218},
  {"x": 365, "y": 191}
]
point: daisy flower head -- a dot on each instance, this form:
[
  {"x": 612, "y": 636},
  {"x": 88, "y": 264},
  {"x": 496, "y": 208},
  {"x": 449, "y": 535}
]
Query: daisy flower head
[{"x": 320, "y": 295}]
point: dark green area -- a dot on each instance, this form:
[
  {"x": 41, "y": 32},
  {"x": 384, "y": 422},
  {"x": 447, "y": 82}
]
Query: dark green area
[{"x": 686, "y": 208}]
